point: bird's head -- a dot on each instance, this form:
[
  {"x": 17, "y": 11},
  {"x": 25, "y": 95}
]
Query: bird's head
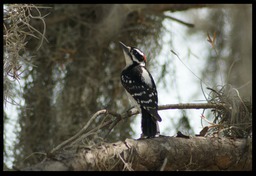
[{"x": 133, "y": 55}]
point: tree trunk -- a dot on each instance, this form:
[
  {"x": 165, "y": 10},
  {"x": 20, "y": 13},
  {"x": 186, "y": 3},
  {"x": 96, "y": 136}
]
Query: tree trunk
[{"x": 163, "y": 153}]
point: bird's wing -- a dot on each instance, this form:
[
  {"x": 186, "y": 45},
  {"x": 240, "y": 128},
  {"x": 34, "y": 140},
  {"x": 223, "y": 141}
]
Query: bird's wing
[{"x": 142, "y": 89}]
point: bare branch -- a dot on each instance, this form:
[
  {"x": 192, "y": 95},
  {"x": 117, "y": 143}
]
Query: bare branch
[
  {"x": 163, "y": 153},
  {"x": 179, "y": 21},
  {"x": 192, "y": 106},
  {"x": 103, "y": 111}
]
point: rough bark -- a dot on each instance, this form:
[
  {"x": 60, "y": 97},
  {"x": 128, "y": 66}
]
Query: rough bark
[{"x": 163, "y": 153}]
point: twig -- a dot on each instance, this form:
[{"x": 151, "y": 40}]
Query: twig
[
  {"x": 126, "y": 165},
  {"x": 192, "y": 106},
  {"x": 115, "y": 122},
  {"x": 179, "y": 21},
  {"x": 164, "y": 164},
  {"x": 188, "y": 67},
  {"x": 103, "y": 111}
]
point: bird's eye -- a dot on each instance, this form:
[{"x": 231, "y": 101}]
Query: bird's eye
[{"x": 138, "y": 54}]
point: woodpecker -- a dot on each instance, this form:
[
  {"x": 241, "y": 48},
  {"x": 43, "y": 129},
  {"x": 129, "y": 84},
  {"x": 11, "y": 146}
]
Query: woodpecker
[{"x": 139, "y": 83}]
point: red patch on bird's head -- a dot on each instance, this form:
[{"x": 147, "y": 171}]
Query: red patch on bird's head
[{"x": 144, "y": 58}]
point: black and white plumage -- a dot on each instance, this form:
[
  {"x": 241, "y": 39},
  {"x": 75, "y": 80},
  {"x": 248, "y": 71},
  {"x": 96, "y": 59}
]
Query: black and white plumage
[{"x": 139, "y": 83}]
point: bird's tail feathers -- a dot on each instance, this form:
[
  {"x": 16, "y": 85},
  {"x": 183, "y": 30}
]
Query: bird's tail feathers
[{"x": 149, "y": 124}]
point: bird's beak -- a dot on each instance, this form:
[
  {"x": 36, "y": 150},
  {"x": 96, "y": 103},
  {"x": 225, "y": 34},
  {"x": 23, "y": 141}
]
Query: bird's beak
[{"x": 125, "y": 48}]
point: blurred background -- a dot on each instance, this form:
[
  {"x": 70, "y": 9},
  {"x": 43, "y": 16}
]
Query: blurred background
[{"x": 62, "y": 63}]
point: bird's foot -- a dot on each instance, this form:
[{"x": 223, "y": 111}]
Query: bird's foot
[{"x": 142, "y": 136}]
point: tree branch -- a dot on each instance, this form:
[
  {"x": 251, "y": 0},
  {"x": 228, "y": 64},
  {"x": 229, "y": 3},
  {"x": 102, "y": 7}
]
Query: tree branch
[
  {"x": 112, "y": 123},
  {"x": 192, "y": 106},
  {"x": 163, "y": 153}
]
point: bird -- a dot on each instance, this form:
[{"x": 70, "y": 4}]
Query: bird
[{"x": 141, "y": 88}]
